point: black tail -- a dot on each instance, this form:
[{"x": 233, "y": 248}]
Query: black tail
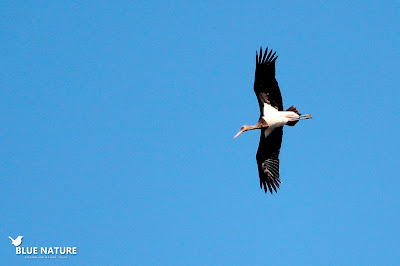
[{"x": 293, "y": 109}]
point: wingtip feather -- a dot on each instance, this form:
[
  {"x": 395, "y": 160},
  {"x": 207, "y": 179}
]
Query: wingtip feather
[
  {"x": 256, "y": 57},
  {"x": 266, "y": 57},
  {"x": 269, "y": 55},
  {"x": 272, "y": 57},
  {"x": 265, "y": 54}
]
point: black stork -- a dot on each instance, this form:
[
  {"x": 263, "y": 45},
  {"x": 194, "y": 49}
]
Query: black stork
[{"x": 271, "y": 121}]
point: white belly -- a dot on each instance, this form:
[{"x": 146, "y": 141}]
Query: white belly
[
  {"x": 273, "y": 122},
  {"x": 276, "y": 121},
  {"x": 277, "y": 118}
]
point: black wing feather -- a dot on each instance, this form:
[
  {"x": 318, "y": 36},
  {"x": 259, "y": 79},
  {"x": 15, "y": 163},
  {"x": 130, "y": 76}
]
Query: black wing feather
[
  {"x": 267, "y": 91},
  {"x": 265, "y": 85},
  {"x": 268, "y": 159}
]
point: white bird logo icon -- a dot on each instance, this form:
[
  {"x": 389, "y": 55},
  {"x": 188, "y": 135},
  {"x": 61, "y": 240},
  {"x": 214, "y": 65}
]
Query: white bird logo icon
[{"x": 16, "y": 242}]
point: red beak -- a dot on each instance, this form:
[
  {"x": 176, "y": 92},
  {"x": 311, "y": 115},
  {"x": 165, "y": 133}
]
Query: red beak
[{"x": 240, "y": 132}]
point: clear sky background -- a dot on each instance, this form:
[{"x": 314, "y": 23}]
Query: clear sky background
[{"x": 117, "y": 125}]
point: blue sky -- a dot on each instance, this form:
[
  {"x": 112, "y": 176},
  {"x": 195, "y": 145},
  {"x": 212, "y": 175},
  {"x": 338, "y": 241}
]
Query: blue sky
[{"x": 118, "y": 120}]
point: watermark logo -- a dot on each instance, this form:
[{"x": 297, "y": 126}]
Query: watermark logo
[
  {"x": 54, "y": 252},
  {"x": 16, "y": 242}
]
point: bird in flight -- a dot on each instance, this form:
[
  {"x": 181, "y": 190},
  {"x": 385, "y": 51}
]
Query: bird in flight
[{"x": 271, "y": 121}]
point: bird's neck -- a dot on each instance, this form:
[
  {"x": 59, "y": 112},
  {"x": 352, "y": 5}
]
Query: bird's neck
[
  {"x": 260, "y": 124},
  {"x": 256, "y": 126}
]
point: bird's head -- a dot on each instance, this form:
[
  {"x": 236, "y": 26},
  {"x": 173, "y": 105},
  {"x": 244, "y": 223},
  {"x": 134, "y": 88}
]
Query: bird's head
[{"x": 243, "y": 129}]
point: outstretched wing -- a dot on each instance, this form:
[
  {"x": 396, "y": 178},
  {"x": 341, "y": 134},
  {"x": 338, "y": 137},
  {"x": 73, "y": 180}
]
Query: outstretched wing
[
  {"x": 268, "y": 159},
  {"x": 265, "y": 85},
  {"x": 268, "y": 92}
]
